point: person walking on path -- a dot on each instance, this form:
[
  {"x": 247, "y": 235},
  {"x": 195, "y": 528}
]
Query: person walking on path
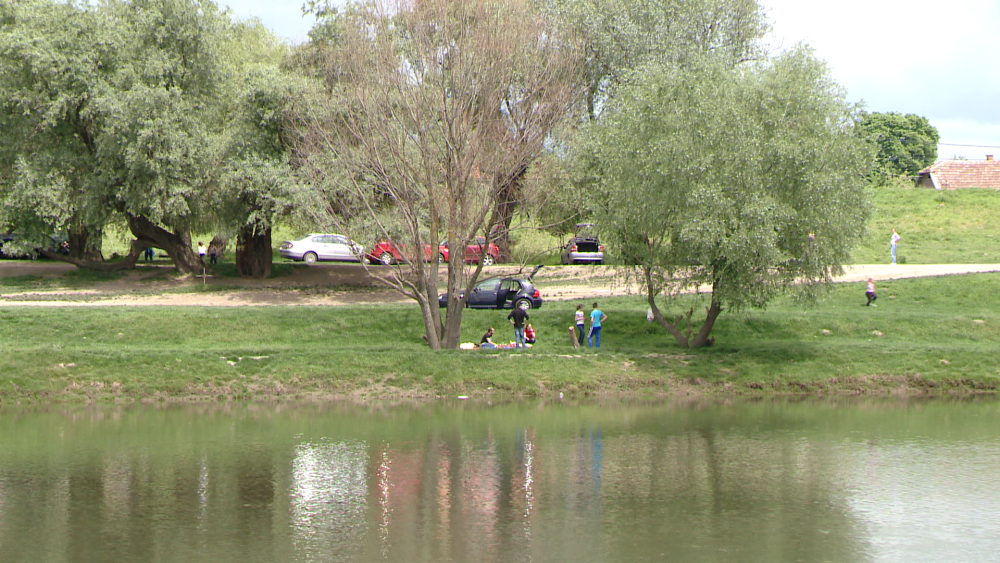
[
  {"x": 870, "y": 293},
  {"x": 517, "y": 318},
  {"x": 893, "y": 243},
  {"x": 596, "y": 318},
  {"x": 580, "y": 320}
]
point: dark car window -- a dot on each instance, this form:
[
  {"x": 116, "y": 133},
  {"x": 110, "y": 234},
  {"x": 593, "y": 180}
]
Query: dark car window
[
  {"x": 340, "y": 239},
  {"x": 510, "y": 285},
  {"x": 489, "y": 285}
]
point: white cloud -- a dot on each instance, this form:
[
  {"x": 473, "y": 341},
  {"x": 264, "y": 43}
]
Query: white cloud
[{"x": 926, "y": 57}]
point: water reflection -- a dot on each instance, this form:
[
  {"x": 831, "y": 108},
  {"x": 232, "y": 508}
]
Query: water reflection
[
  {"x": 329, "y": 499},
  {"x": 816, "y": 481}
]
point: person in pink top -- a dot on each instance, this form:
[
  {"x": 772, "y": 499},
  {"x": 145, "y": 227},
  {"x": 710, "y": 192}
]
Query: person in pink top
[{"x": 870, "y": 293}]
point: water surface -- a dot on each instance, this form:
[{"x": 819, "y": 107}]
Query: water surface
[{"x": 847, "y": 481}]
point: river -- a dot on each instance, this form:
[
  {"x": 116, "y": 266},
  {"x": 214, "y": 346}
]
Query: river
[{"x": 770, "y": 481}]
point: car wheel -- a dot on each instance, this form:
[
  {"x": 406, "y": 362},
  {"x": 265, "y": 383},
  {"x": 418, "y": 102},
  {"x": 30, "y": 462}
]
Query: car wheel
[
  {"x": 523, "y": 304},
  {"x": 441, "y": 259},
  {"x": 310, "y": 258},
  {"x": 386, "y": 259},
  {"x": 488, "y": 260}
]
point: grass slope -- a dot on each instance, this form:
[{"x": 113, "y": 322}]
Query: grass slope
[
  {"x": 938, "y": 227},
  {"x": 926, "y": 334}
]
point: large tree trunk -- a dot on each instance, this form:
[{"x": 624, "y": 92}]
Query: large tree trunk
[
  {"x": 702, "y": 338},
  {"x": 128, "y": 263},
  {"x": 84, "y": 244},
  {"x": 253, "y": 252},
  {"x": 508, "y": 196},
  {"x": 177, "y": 246}
]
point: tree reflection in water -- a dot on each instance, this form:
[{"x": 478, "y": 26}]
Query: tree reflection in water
[{"x": 753, "y": 482}]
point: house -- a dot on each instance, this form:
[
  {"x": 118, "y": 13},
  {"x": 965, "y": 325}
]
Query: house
[{"x": 956, "y": 174}]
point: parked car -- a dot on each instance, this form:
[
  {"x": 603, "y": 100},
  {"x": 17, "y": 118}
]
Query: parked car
[
  {"x": 584, "y": 247},
  {"x": 387, "y": 253},
  {"x": 474, "y": 252},
  {"x": 501, "y": 293},
  {"x": 56, "y": 244},
  {"x": 315, "y": 247}
]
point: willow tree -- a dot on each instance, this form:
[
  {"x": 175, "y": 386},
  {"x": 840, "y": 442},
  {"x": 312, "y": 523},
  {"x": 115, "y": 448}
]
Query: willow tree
[
  {"x": 54, "y": 57},
  {"x": 118, "y": 111},
  {"x": 429, "y": 103},
  {"x": 746, "y": 181}
]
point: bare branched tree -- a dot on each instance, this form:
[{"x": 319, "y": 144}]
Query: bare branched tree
[{"x": 430, "y": 110}]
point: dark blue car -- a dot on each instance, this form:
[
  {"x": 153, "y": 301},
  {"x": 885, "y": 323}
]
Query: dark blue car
[{"x": 501, "y": 293}]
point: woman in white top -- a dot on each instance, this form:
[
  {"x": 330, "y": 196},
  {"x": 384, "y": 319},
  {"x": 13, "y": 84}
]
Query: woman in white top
[{"x": 580, "y": 318}]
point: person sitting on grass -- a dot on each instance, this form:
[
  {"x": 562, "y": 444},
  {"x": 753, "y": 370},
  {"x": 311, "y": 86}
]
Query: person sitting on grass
[
  {"x": 870, "y": 293},
  {"x": 529, "y": 334},
  {"x": 487, "y": 341}
]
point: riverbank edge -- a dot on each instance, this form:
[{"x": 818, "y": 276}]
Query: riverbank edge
[{"x": 361, "y": 392}]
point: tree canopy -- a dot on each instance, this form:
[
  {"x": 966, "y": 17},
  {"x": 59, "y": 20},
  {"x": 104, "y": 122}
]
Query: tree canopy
[
  {"x": 123, "y": 111},
  {"x": 906, "y": 143},
  {"x": 430, "y": 110},
  {"x": 745, "y": 180}
]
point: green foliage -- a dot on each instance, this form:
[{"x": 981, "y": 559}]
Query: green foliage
[
  {"x": 906, "y": 143},
  {"x": 746, "y": 179},
  {"x": 622, "y": 36},
  {"x": 167, "y": 110}
]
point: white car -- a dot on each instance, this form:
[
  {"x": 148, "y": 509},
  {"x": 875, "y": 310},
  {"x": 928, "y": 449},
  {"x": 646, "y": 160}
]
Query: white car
[{"x": 313, "y": 248}]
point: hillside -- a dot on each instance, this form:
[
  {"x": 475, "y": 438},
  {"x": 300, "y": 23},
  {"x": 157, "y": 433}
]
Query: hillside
[{"x": 956, "y": 227}]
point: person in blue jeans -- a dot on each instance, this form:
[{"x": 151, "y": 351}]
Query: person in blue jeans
[
  {"x": 596, "y": 318},
  {"x": 517, "y": 318}
]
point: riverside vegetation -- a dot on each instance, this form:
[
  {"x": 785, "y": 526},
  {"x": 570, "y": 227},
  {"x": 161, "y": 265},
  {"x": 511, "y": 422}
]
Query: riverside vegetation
[{"x": 928, "y": 335}]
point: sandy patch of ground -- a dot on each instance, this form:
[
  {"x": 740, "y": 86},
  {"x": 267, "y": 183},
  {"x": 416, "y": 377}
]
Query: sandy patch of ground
[{"x": 350, "y": 284}]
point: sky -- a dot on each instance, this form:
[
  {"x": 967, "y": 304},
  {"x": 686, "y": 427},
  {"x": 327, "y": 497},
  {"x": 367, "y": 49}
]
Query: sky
[{"x": 933, "y": 58}]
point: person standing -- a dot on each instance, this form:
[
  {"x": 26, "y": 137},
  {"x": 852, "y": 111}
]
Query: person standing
[
  {"x": 212, "y": 252},
  {"x": 517, "y": 318},
  {"x": 597, "y": 317},
  {"x": 580, "y": 320},
  {"x": 893, "y": 243},
  {"x": 870, "y": 293},
  {"x": 201, "y": 252}
]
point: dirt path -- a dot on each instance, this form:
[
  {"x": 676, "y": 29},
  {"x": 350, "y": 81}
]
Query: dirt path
[{"x": 333, "y": 285}]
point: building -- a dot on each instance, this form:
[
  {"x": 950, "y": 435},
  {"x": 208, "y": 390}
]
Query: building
[{"x": 957, "y": 174}]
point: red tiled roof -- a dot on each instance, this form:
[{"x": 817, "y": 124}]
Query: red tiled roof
[{"x": 954, "y": 174}]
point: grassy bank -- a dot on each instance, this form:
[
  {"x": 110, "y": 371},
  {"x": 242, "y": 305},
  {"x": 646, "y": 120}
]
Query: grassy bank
[
  {"x": 926, "y": 335},
  {"x": 938, "y": 227}
]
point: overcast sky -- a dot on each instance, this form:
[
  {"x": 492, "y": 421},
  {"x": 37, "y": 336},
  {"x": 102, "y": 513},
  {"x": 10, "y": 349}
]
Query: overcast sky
[{"x": 934, "y": 58}]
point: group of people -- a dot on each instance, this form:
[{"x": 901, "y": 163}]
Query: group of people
[
  {"x": 597, "y": 317},
  {"x": 524, "y": 334},
  {"x": 212, "y": 253}
]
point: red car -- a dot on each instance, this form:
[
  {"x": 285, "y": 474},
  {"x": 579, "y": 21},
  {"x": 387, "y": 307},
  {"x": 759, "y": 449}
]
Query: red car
[
  {"x": 387, "y": 253},
  {"x": 474, "y": 251}
]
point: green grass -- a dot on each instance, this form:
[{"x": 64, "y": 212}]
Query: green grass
[
  {"x": 938, "y": 227},
  {"x": 927, "y": 333}
]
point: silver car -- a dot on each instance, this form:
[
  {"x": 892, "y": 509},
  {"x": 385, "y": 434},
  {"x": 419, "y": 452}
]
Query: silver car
[
  {"x": 584, "y": 247},
  {"x": 317, "y": 247}
]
